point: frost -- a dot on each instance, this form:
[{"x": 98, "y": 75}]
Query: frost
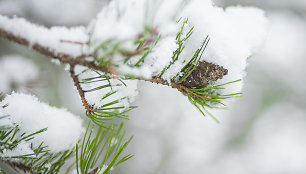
[
  {"x": 64, "y": 128},
  {"x": 17, "y": 71}
]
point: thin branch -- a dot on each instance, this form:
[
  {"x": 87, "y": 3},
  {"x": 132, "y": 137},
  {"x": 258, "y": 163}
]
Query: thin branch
[
  {"x": 179, "y": 87},
  {"x": 64, "y": 58},
  {"x": 79, "y": 88}
]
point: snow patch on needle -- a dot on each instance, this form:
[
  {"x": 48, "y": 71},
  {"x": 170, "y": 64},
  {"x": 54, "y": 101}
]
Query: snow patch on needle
[{"x": 31, "y": 115}]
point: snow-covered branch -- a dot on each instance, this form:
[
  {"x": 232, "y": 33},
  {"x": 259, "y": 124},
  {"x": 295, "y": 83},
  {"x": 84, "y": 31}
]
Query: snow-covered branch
[
  {"x": 197, "y": 77},
  {"x": 192, "y": 46}
]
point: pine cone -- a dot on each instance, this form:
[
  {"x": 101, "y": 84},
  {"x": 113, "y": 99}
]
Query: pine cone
[{"x": 203, "y": 74}]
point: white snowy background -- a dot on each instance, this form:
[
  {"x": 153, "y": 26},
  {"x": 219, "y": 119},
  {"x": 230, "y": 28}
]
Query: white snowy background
[{"x": 264, "y": 132}]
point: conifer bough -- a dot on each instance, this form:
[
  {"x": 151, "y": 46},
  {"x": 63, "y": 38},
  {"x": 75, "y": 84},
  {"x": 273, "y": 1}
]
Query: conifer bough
[
  {"x": 107, "y": 55},
  {"x": 201, "y": 75}
]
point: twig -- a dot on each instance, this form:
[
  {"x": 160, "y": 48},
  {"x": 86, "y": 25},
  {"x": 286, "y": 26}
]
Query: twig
[
  {"x": 179, "y": 87},
  {"x": 79, "y": 88},
  {"x": 64, "y": 58}
]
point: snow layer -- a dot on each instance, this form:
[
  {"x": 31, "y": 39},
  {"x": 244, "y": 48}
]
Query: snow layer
[
  {"x": 94, "y": 98},
  {"x": 123, "y": 21},
  {"x": 235, "y": 34},
  {"x": 16, "y": 70},
  {"x": 23, "y": 148},
  {"x": 64, "y": 128},
  {"x": 51, "y": 38}
]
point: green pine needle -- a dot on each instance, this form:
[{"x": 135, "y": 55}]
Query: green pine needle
[
  {"x": 209, "y": 97},
  {"x": 105, "y": 145},
  {"x": 41, "y": 160}
]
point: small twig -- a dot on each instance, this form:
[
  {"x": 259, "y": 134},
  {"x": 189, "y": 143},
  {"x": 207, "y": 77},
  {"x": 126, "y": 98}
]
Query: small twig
[
  {"x": 79, "y": 88},
  {"x": 177, "y": 86},
  {"x": 64, "y": 58}
]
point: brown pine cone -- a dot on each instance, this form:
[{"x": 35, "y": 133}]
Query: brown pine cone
[{"x": 203, "y": 74}]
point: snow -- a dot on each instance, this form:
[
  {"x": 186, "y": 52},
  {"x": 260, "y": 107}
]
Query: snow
[
  {"x": 16, "y": 70},
  {"x": 23, "y": 148},
  {"x": 161, "y": 55},
  {"x": 235, "y": 33},
  {"x": 94, "y": 98},
  {"x": 51, "y": 38},
  {"x": 119, "y": 20},
  {"x": 123, "y": 21},
  {"x": 64, "y": 128}
]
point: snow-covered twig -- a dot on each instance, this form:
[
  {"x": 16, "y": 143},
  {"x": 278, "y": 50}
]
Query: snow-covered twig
[
  {"x": 80, "y": 60},
  {"x": 79, "y": 88}
]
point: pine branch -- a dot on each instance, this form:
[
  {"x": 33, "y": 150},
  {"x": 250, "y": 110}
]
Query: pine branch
[
  {"x": 73, "y": 61},
  {"x": 195, "y": 74},
  {"x": 64, "y": 58},
  {"x": 40, "y": 161},
  {"x": 79, "y": 88}
]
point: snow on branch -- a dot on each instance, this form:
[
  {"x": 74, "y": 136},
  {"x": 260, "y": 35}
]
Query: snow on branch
[
  {"x": 32, "y": 35},
  {"x": 130, "y": 40},
  {"x": 193, "y": 46}
]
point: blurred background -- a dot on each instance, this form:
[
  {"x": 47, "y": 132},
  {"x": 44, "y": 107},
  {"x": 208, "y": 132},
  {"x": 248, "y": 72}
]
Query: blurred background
[{"x": 263, "y": 132}]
